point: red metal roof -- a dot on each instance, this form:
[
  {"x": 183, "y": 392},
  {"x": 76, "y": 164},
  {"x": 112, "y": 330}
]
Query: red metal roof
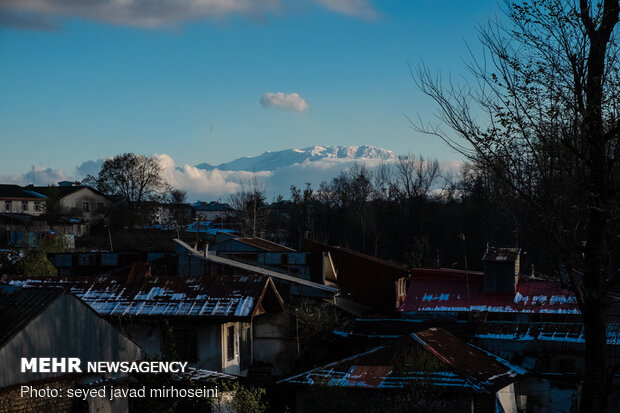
[{"x": 456, "y": 290}]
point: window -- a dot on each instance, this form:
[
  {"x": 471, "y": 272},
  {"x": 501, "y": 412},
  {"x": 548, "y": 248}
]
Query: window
[
  {"x": 186, "y": 343},
  {"x": 24, "y": 205},
  {"x": 7, "y": 206},
  {"x": 37, "y": 206},
  {"x": 99, "y": 206},
  {"x": 230, "y": 343},
  {"x": 85, "y": 207}
]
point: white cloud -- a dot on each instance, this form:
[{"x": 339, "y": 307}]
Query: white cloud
[
  {"x": 42, "y": 177},
  {"x": 29, "y": 14},
  {"x": 356, "y": 8},
  {"x": 210, "y": 185},
  {"x": 89, "y": 168},
  {"x": 290, "y": 101},
  {"x": 202, "y": 184},
  {"x": 44, "y": 14}
]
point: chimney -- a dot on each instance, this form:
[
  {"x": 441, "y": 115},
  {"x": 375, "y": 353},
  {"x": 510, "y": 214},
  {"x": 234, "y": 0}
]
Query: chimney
[{"x": 501, "y": 270}]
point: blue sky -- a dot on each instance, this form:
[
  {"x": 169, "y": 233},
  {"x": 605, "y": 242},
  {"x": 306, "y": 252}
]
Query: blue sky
[{"x": 85, "y": 83}]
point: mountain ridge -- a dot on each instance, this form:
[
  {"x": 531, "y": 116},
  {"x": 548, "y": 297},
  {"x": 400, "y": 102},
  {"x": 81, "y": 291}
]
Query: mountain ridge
[{"x": 271, "y": 160}]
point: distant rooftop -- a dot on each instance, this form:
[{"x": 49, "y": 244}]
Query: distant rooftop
[{"x": 18, "y": 193}]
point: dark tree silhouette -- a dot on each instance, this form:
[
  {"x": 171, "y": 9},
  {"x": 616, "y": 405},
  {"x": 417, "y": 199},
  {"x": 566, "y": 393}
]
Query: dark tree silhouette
[{"x": 549, "y": 84}]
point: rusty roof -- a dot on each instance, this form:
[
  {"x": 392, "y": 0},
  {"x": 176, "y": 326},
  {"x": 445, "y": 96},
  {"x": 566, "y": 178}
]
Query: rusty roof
[
  {"x": 19, "y": 307},
  {"x": 449, "y": 364},
  {"x": 468, "y": 360},
  {"x": 213, "y": 297}
]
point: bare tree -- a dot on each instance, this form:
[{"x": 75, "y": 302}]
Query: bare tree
[
  {"x": 249, "y": 204},
  {"x": 549, "y": 90}
]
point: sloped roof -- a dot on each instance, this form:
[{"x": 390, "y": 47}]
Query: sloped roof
[
  {"x": 401, "y": 363},
  {"x": 183, "y": 247},
  {"x": 478, "y": 365},
  {"x": 63, "y": 191},
  {"x": 17, "y": 192},
  {"x": 19, "y": 307},
  {"x": 264, "y": 244},
  {"x": 361, "y": 258},
  {"x": 543, "y": 331},
  {"x": 457, "y": 290},
  {"x": 214, "y": 297}
]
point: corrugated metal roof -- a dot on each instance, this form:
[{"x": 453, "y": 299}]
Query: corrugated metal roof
[
  {"x": 556, "y": 332},
  {"x": 457, "y": 366},
  {"x": 20, "y": 307},
  {"x": 230, "y": 297},
  {"x": 468, "y": 360},
  {"x": 455, "y": 290}
]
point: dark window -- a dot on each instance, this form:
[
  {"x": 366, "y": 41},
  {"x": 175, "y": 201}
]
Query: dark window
[
  {"x": 7, "y": 206},
  {"x": 85, "y": 207},
  {"x": 230, "y": 343},
  {"x": 24, "y": 205},
  {"x": 37, "y": 206},
  {"x": 185, "y": 343},
  {"x": 99, "y": 206}
]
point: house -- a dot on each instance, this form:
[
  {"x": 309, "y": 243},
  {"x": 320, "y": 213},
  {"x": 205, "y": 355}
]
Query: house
[
  {"x": 196, "y": 263},
  {"x": 47, "y": 322},
  {"x": 76, "y": 201},
  {"x": 17, "y": 200},
  {"x": 173, "y": 215},
  {"x": 431, "y": 370},
  {"x": 213, "y": 210},
  {"x": 232, "y": 245},
  {"x": 371, "y": 281},
  {"x": 209, "y": 318},
  {"x": 314, "y": 265}
]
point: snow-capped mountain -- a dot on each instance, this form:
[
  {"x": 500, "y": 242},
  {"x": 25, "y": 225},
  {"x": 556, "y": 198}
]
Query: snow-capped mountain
[{"x": 270, "y": 161}]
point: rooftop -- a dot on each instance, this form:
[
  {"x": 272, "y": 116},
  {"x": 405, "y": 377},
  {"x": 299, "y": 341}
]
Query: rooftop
[
  {"x": 20, "y": 306},
  {"x": 431, "y": 357},
  {"x": 19, "y": 193},
  {"x": 264, "y": 244},
  {"x": 457, "y": 290},
  {"x": 214, "y": 297}
]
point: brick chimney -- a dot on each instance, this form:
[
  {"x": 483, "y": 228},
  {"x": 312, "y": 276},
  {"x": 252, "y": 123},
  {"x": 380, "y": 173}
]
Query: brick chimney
[{"x": 501, "y": 270}]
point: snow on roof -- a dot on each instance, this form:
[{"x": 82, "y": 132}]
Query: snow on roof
[
  {"x": 214, "y": 297},
  {"x": 455, "y": 290},
  {"x": 457, "y": 366}
]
